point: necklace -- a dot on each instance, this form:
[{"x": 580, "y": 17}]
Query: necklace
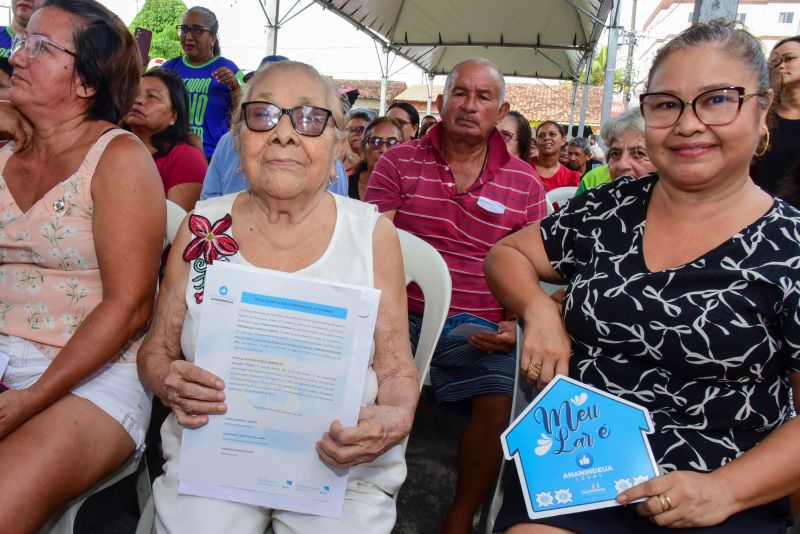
[
  {"x": 467, "y": 185},
  {"x": 483, "y": 166}
]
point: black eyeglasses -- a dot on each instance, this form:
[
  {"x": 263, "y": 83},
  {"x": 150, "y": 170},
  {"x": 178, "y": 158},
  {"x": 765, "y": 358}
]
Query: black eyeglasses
[
  {"x": 196, "y": 29},
  {"x": 32, "y": 45},
  {"x": 376, "y": 142},
  {"x": 306, "y": 120},
  {"x": 715, "y": 107},
  {"x": 358, "y": 130}
]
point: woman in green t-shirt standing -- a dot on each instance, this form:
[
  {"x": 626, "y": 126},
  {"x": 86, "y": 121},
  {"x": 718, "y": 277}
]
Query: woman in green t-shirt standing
[{"x": 212, "y": 81}]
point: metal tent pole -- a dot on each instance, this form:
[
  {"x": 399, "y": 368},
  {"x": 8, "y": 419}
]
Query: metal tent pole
[
  {"x": 384, "y": 82},
  {"x": 585, "y": 100},
  {"x": 572, "y": 107},
  {"x": 611, "y": 66},
  {"x": 429, "y": 103},
  {"x": 272, "y": 26}
]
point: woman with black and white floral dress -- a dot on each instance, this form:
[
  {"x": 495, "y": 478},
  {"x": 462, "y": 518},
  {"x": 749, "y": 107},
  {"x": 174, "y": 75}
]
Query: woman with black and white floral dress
[{"x": 683, "y": 292}]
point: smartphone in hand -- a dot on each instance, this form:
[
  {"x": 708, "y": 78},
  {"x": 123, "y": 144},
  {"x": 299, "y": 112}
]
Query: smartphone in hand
[{"x": 143, "y": 38}]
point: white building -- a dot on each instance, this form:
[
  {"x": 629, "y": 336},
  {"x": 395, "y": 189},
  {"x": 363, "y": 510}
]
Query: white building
[{"x": 660, "y": 20}]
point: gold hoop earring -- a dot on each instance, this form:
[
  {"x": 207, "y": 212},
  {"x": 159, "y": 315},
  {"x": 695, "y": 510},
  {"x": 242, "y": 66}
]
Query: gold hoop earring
[{"x": 758, "y": 153}]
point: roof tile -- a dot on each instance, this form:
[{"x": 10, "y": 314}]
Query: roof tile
[
  {"x": 372, "y": 88},
  {"x": 538, "y": 102}
]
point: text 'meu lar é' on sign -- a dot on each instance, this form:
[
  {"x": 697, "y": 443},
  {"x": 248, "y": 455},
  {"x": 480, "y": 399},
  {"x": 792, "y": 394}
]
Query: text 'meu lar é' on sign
[{"x": 576, "y": 447}]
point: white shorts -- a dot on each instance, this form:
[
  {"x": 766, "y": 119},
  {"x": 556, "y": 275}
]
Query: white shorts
[
  {"x": 114, "y": 388},
  {"x": 369, "y": 507}
]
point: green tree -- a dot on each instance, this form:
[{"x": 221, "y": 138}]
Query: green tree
[
  {"x": 598, "y": 74},
  {"x": 161, "y": 17}
]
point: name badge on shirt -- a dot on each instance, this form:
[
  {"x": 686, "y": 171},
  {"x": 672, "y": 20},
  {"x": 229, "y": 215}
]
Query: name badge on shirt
[{"x": 492, "y": 206}]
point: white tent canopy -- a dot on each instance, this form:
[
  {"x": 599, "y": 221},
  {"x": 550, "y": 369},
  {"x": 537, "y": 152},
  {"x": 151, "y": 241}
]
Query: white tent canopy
[{"x": 533, "y": 38}]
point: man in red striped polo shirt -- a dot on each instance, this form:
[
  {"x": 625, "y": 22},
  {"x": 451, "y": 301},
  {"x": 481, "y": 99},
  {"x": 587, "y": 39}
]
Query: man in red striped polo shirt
[{"x": 459, "y": 189}]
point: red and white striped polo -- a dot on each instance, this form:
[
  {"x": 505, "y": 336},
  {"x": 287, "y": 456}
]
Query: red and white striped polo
[{"x": 415, "y": 179}]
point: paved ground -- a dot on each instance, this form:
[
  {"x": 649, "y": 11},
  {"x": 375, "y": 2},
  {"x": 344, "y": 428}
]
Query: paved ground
[{"x": 431, "y": 458}]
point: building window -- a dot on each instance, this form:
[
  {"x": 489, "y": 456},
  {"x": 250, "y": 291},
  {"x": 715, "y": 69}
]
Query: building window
[
  {"x": 785, "y": 18},
  {"x": 741, "y": 17}
]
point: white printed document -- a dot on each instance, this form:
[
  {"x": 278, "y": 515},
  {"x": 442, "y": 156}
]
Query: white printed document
[{"x": 293, "y": 352}]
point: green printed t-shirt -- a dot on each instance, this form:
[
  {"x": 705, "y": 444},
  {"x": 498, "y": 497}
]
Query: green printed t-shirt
[
  {"x": 209, "y": 100},
  {"x": 6, "y": 38},
  {"x": 593, "y": 178}
]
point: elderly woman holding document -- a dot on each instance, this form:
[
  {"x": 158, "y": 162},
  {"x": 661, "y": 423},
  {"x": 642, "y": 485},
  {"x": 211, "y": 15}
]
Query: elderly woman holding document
[{"x": 286, "y": 221}]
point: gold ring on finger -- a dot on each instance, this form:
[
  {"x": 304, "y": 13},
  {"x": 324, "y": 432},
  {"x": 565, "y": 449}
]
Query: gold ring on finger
[
  {"x": 669, "y": 502},
  {"x": 534, "y": 369},
  {"x": 666, "y": 504}
]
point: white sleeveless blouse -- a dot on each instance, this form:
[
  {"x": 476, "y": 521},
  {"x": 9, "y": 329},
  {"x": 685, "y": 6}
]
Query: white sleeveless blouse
[{"x": 348, "y": 259}]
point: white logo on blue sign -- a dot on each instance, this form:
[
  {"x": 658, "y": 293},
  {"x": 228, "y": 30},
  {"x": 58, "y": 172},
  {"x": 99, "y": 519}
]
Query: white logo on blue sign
[{"x": 576, "y": 447}]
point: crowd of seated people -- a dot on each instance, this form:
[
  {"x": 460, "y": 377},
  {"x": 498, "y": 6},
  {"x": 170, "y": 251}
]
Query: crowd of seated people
[{"x": 94, "y": 145}]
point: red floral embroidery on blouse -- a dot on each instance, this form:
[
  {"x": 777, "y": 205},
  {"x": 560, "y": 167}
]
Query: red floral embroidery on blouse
[{"x": 211, "y": 241}]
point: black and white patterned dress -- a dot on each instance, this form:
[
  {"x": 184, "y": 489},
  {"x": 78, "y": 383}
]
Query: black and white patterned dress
[{"x": 707, "y": 347}]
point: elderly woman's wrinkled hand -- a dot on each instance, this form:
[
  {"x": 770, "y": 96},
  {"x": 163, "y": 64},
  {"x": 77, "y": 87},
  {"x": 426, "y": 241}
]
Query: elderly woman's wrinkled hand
[
  {"x": 379, "y": 428},
  {"x": 14, "y": 126},
  {"x": 682, "y": 499},
  {"x": 546, "y": 344},
  {"x": 193, "y": 393}
]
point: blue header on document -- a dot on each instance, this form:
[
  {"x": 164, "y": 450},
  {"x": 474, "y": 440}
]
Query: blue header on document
[{"x": 301, "y": 306}]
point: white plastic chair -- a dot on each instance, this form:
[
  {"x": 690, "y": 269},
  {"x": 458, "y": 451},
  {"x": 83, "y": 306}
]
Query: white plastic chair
[
  {"x": 423, "y": 265},
  {"x": 147, "y": 517},
  {"x": 559, "y": 196},
  {"x": 523, "y": 394},
  {"x": 175, "y": 216},
  {"x": 63, "y": 522}
]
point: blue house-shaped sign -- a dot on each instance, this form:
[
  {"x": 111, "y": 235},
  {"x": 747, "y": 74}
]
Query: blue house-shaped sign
[{"x": 576, "y": 448}]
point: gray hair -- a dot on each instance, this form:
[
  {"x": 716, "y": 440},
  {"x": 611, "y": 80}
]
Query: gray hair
[
  {"x": 736, "y": 42},
  {"x": 501, "y": 86},
  {"x": 616, "y": 127},
  {"x": 386, "y": 119},
  {"x": 361, "y": 113},
  {"x": 581, "y": 143},
  {"x": 333, "y": 103},
  {"x": 211, "y": 22}
]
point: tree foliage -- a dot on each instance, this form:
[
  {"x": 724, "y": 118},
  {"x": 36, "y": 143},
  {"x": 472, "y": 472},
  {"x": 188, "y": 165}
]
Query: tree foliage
[
  {"x": 161, "y": 17},
  {"x": 598, "y": 74}
]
